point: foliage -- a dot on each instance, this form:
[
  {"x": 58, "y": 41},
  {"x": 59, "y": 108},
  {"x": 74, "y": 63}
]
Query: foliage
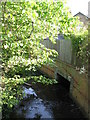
[
  {"x": 80, "y": 45},
  {"x": 12, "y": 91},
  {"x": 41, "y": 79},
  {"x": 24, "y": 26}
]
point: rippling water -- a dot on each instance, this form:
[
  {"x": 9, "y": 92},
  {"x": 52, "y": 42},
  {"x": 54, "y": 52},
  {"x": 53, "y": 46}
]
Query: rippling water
[{"x": 46, "y": 102}]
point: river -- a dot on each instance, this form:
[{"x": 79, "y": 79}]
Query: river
[{"x": 42, "y": 101}]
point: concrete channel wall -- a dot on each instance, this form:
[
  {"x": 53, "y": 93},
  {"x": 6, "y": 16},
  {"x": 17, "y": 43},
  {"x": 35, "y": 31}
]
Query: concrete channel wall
[{"x": 64, "y": 67}]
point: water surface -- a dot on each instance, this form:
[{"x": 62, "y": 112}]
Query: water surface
[{"x": 43, "y": 101}]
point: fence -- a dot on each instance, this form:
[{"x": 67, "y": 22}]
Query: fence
[{"x": 62, "y": 46}]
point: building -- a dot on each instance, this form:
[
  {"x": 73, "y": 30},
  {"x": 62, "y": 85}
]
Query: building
[{"x": 83, "y": 18}]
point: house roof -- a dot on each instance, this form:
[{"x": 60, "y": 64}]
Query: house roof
[{"x": 81, "y": 14}]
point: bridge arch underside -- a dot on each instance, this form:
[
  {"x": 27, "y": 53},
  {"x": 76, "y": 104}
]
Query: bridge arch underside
[{"x": 63, "y": 82}]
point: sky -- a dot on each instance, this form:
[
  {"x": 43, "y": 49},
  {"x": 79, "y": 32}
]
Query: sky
[{"x": 78, "y": 6}]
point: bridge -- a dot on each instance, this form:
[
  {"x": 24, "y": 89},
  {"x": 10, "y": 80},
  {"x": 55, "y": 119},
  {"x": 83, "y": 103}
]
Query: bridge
[{"x": 70, "y": 68}]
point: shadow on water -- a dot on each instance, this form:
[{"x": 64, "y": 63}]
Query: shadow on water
[{"x": 50, "y": 101}]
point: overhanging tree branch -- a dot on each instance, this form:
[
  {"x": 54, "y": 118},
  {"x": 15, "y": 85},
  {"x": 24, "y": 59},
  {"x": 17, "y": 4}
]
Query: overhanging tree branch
[{"x": 31, "y": 30}]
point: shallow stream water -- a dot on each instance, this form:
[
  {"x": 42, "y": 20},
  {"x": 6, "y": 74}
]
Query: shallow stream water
[{"x": 43, "y": 101}]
